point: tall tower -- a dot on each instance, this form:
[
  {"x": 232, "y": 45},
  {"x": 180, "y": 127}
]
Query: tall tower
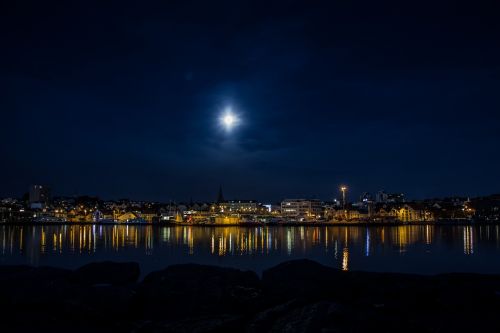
[{"x": 39, "y": 195}]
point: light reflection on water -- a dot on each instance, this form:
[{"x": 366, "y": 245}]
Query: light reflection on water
[{"x": 420, "y": 249}]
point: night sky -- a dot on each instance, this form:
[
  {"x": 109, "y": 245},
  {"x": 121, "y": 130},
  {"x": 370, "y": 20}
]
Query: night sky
[{"x": 123, "y": 99}]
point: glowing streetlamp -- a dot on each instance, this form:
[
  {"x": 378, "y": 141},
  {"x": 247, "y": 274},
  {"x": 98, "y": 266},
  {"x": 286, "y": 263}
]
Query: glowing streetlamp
[{"x": 343, "y": 189}]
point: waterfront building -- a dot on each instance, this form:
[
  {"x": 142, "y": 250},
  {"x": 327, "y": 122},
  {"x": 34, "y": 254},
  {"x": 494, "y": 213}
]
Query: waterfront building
[
  {"x": 128, "y": 217},
  {"x": 77, "y": 215},
  {"x": 103, "y": 215},
  {"x": 350, "y": 214},
  {"x": 357, "y": 214},
  {"x": 239, "y": 206},
  {"x": 414, "y": 212},
  {"x": 306, "y": 208},
  {"x": 197, "y": 217},
  {"x": 60, "y": 212},
  {"x": 149, "y": 215},
  {"x": 273, "y": 209},
  {"x": 385, "y": 211}
]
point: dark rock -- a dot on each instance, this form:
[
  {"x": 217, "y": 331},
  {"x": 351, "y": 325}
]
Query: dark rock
[
  {"x": 207, "y": 323},
  {"x": 9, "y": 270},
  {"x": 309, "y": 318},
  {"x": 33, "y": 285},
  {"x": 263, "y": 320},
  {"x": 193, "y": 288},
  {"x": 107, "y": 272},
  {"x": 295, "y": 316},
  {"x": 304, "y": 278},
  {"x": 298, "y": 296},
  {"x": 104, "y": 300}
]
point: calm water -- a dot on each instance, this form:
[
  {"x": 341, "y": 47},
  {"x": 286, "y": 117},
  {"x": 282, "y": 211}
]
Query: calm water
[{"x": 416, "y": 249}]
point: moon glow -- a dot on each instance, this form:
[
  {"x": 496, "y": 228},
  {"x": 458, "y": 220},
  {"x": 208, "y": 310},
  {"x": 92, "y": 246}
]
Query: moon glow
[{"x": 229, "y": 119}]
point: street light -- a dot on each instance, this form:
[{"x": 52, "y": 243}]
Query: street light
[{"x": 343, "y": 189}]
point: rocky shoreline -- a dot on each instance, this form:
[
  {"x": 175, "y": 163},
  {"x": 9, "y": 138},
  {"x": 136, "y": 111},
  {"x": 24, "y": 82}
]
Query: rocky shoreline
[{"x": 295, "y": 296}]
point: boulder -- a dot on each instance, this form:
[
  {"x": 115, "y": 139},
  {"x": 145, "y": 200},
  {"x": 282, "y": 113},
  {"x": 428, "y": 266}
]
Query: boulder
[
  {"x": 308, "y": 318},
  {"x": 31, "y": 285},
  {"x": 108, "y": 273},
  {"x": 192, "y": 289},
  {"x": 199, "y": 324},
  {"x": 303, "y": 278}
]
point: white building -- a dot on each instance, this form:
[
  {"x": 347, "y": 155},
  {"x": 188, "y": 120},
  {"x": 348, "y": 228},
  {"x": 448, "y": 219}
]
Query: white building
[{"x": 311, "y": 208}]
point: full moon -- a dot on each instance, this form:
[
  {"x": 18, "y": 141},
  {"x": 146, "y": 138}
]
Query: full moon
[{"x": 229, "y": 119}]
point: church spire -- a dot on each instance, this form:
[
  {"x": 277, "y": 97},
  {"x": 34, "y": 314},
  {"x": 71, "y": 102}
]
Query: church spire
[{"x": 220, "y": 196}]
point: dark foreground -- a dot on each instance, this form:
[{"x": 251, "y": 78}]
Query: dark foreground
[{"x": 296, "y": 296}]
